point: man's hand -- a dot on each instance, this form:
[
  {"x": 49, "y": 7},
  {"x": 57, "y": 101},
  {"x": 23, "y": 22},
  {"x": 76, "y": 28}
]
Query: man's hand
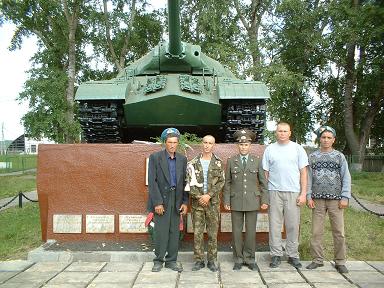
[
  {"x": 227, "y": 207},
  {"x": 301, "y": 199},
  {"x": 183, "y": 209},
  {"x": 343, "y": 203},
  {"x": 204, "y": 200},
  {"x": 159, "y": 209},
  {"x": 264, "y": 206},
  {"x": 311, "y": 203}
]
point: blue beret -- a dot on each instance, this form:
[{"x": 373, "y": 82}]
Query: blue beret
[
  {"x": 169, "y": 132},
  {"x": 322, "y": 129}
]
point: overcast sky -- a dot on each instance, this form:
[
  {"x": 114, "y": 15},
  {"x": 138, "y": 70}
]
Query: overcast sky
[{"x": 13, "y": 65}]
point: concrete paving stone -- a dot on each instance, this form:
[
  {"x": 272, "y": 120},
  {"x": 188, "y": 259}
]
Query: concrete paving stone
[
  {"x": 62, "y": 285},
  {"x": 48, "y": 267},
  {"x": 85, "y": 266},
  {"x": 15, "y": 265},
  {"x": 371, "y": 285},
  {"x": 361, "y": 277},
  {"x": 73, "y": 278},
  {"x": 359, "y": 266},
  {"x": 241, "y": 277},
  {"x": 327, "y": 266},
  {"x": 20, "y": 285},
  {"x": 164, "y": 276},
  {"x": 32, "y": 277},
  {"x": 6, "y": 275},
  {"x": 150, "y": 285},
  {"x": 284, "y": 266},
  {"x": 290, "y": 285},
  {"x": 115, "y": 277},
  {"x": 243, "y": 285},
  {"x": 108, "y": 285},
  {"x": 86, "y": 256},
  {"x": 197, "y": 285},
  {"x": 122, "y": 267},
  {"x": 201, "y": 276},
  {"x": 323, "y": 276},
  {"x": 279, "y": 278},
  {"x": 379, "y": 265},
  {"x": 334, "y": 285}
]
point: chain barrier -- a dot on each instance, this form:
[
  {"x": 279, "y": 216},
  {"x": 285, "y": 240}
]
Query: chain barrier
[
  {"x": 20, "y": 197},
  {"x": 365, "y": 208}
]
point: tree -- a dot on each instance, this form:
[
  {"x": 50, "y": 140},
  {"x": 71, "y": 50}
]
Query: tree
[
  {"x": 293, "y": 41},
  {"x": 56, "y": 25},
  {"x": 213, "y": 25},
  {"x": 356, "y": 49},
  {"x": 122, "y": 31}
]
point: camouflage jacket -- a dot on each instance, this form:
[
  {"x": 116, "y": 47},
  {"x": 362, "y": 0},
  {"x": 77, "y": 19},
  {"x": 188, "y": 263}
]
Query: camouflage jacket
[{"x": 195, "y": 180}]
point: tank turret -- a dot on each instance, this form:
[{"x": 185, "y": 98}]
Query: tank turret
[{"x": 177, "y": 85}]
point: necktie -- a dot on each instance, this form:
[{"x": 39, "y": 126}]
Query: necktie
[{"x": 244, "y": 162}]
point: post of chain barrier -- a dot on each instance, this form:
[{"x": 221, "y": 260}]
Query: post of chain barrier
[{"x": 20, "y": 200}]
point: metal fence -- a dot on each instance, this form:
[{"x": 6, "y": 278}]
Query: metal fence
[
  {"x": 372, "y": 163},
  {"x": 17, "y": 162}
]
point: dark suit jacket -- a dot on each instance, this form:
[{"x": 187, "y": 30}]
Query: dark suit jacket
[
  {"x": 159, "y": 180},
  {"x": 245, "y": 189}
]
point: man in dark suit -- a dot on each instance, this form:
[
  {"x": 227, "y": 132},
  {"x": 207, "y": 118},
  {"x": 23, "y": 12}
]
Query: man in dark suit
[
  {"x": 167, "y": 199},
  {"x": 245, "y": 192}
]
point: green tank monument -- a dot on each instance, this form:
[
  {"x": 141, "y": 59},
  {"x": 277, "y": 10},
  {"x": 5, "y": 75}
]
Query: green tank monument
[{"x": 174, "y": 85}]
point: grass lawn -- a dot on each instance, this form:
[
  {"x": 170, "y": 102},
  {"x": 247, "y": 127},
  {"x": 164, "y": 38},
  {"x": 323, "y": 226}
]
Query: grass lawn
[
  {"x": 369, "y": 186},
  {"x": 12, "y": 185},
  {"x": 364, "y": 236},
  {"x": 20, "y": 231}
]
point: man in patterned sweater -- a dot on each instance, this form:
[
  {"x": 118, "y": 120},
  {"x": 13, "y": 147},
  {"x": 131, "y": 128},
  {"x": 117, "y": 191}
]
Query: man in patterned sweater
[{"x": 329, "y": 190}]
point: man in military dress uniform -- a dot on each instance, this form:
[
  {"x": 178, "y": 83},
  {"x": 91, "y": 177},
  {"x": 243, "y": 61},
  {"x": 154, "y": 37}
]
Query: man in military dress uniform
[
  {"x": 205, "y": 179},
  {"x": 245, "y": 192}
]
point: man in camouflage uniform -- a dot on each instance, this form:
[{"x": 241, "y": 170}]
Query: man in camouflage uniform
[{"x": 205, "y": 179}]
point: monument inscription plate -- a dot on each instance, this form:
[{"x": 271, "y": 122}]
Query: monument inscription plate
[
  {"x": 63, "y": 223},
  {"x": 132, "y": 224},
  {"x": 100, "y": 224}
]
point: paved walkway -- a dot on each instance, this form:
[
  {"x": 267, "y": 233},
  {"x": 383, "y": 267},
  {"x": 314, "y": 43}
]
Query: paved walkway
[{"x": 137, "y": 274}]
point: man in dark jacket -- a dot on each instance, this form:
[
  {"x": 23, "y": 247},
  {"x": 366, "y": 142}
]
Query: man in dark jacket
[{"x": 167, "y": 199}]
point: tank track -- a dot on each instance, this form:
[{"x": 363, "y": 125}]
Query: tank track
[
  {"x": 100, "y": 121},
  {"x": 242, "y": 114}
]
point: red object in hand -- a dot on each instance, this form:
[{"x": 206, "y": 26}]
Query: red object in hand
[
  {"x": 149, "y": 219},
  {"x": 181, "y": 225}
]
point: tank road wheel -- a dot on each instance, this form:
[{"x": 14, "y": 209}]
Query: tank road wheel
[
  {"x": 101, "y": 121},
  {"x": 239, "y": 114}
]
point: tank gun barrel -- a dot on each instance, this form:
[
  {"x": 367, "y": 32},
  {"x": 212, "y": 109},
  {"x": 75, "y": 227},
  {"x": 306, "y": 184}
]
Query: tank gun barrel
[{"x": 174, "y": 27}]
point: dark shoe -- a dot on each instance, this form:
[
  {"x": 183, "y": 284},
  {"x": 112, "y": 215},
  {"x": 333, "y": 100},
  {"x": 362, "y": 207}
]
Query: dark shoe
[
  {"x": 237, "y": 266},
  {"x": 275, "y": 262},
  {"x": 341, "y": 269},
  {"x": 253, "y": 267},
  {"x": 295, "y": 262},
  {"x": 212, "y": 266},
  {"x": 157, "y": 267},
  {"x": 175, "y": 266},
  {"x": 198, "y": 265},
  {"x": 314, "y": 265}
]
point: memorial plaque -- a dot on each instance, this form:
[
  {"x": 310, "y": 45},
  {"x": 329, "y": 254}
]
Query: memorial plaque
[
  {"x": 262, "y": 224},
  {"x": 100, "y": 224},
  {"x": 132, "y": 224},
  {"x": 64, "y": 223}
]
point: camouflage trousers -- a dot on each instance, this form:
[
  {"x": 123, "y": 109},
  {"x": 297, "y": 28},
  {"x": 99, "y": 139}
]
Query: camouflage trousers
[{"x": 206, "y": 218}]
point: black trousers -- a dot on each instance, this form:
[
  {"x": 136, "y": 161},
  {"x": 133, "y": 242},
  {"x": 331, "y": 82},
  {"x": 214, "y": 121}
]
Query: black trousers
[{"x": 167, "y": 232}]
